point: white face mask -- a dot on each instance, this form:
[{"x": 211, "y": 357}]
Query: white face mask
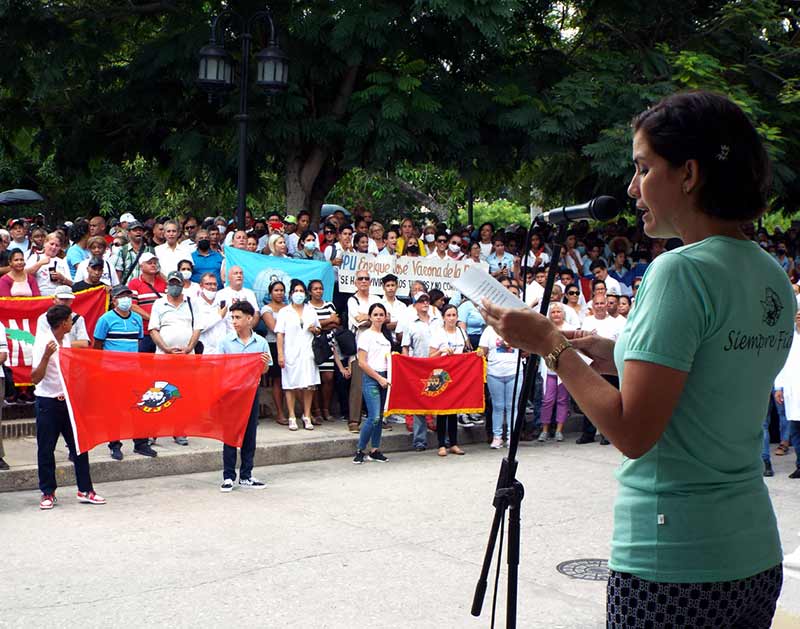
[
  {"x": 454, "y": 247},
  {"x": 187, "y": 275},
  {"x": 430, "y": 237},
  {"x": 209, "y": 294}
]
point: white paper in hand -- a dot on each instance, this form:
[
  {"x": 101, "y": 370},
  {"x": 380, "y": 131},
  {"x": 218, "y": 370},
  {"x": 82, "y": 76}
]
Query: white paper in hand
[{"x": 477, "y": 284}]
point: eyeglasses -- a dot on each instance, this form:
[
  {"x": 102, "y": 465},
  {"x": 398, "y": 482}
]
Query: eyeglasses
[
  {"x": 572, "y": 292},
  {"x": 191, "y": 227},
  {"x": 363, "y": 279},
  {"x": 329, "y": 231},
  {"x": 441, "y": 240}
]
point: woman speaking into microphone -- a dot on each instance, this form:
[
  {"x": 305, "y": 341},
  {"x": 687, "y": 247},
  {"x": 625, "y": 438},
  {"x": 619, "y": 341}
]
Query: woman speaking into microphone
[{"x": 695, "y": 539}]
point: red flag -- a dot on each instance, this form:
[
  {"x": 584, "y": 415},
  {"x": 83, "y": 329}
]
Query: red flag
[
  {"x": 119, "y": 395},
  {"x": 436, "y": 386},
  {"x": 19, "y": 315}
]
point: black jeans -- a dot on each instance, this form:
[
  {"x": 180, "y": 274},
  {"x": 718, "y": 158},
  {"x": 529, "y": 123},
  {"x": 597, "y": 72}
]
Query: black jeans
[
  {"x": 447, "y": 423},
  {"x": 248, "y": 449},
  {"x": 52, "y": 420}
]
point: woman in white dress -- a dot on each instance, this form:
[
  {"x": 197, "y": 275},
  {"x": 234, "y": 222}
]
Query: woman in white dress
[{"x": 295, "y": 326}]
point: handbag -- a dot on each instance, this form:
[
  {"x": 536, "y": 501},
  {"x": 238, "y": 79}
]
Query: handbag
[
  {"x": 347, "y": 342},
  {"x": 322, "y": 349}
]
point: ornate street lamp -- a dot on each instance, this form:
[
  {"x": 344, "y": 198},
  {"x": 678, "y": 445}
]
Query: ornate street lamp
[{"x": 215, "y": 76}]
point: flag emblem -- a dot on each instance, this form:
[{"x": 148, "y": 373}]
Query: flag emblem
[
  {"x": 158, "y": 397},
  {"x": 436, "y": 383}
]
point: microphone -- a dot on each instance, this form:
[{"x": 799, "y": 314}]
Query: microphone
[{"x": 600, "y": 209}]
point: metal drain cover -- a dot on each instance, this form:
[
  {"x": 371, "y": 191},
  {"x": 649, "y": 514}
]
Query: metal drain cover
[{"x": 586, "y": 569}]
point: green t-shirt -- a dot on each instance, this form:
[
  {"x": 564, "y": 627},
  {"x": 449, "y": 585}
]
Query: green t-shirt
[{"x": 695, "y": 507}]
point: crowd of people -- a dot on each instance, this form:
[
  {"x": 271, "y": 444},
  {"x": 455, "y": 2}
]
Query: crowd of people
[{"x": 171, "y": 293}]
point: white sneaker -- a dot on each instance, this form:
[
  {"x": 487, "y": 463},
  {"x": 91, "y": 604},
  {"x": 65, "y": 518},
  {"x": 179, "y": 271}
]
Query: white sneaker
[
  {"x": 559, "y": 436},
  {"x": 497, "y": 443},
  {"x": 293, "y": 423},
  {"x": 251, "y": 483},
  {"x": 543, "y": 437},
  {"x": 227, "y": 486}
]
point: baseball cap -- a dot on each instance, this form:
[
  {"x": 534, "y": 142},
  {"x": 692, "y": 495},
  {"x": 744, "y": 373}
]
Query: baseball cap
[
  {"x": 15, "y": 221},
  {"x": 64, "y": 292},
  {"x": 146, "y": 257},
  {"x": 134, "y": 224},
  {"x": 95, "y": 262},
  {"x": 175, "y": 275},
  {"x": 290, "y": 219},
  {"x": 120, "y": 289},
  {"x": 422, "y": 297},
  {"x": 127, "y": 218}
]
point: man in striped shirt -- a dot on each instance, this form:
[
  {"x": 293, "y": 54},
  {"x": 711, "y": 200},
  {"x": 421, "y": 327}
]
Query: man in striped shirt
[{"x": 120, "y": 330}]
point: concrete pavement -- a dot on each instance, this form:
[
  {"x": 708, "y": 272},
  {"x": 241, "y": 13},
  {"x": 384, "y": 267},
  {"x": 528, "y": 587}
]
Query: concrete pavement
[{"x": 327, "y": 544}]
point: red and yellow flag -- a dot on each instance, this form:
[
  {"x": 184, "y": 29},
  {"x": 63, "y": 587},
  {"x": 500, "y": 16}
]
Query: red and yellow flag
[
  {"x": 118, "y": 395},
  {"x": 19, "y": 315},
  {"x": 436, "y": 386}
]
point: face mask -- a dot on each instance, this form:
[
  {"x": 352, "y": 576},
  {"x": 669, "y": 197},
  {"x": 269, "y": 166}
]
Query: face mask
[
  {"x": 582, "y": 250},
  {"x": 454, "y": 247},
  {"x": 204, "y": 244},
  {"x": 187, "y": 275},
  {"x": 430, "y": 237},
  {"x": 124, "y": 303},
  {"x": 413, "y": 249},
  {"x": 310, "y": 245},
  {"x": 174, "y": 290},
  {"x": 298, "y": 298},
  {"x": 221, "y": 229},
  {"x": 209, "y": 294}
]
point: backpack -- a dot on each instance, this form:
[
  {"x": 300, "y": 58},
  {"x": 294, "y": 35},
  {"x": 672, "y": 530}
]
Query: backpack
[{"x": 346, "y": 340}]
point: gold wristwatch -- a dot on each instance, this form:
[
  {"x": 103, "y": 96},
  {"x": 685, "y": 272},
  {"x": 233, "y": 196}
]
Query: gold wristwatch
[{"x": 551, "y": 360}]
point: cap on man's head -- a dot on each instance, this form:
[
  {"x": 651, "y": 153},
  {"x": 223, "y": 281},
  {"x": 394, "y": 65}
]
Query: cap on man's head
[
  {"x": 64, "y": 292},
  {"x": 175, "y": 276},
  {"x": 127, "y": 218},
  {"x": 389, "y": 277},
  {"x": 146, "y": 257},
  {"x": 121, "y": 289},
  {"x": 291, "y": 219},
  {"x": 13, "y": 222},
  {"x": 134, "y": 224},
  {"x": 96, "y": 262},
  {"x": 422, "y": 297}
]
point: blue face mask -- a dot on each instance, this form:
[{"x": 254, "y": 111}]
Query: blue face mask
[
  {"x": 124, "y": 303},
  {"x": 298, "y": 298},
  {"x": 310, "y": 245}
]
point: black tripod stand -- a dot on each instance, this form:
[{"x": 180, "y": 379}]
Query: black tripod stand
[{"x": 509, "y": 491}]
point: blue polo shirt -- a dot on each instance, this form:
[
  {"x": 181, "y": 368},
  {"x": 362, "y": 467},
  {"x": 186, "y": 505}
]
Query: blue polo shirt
[
  {"x": 212, "y": 263},
  {"x": 119, "y": 334},
  {"x": 232, "y": 344}
]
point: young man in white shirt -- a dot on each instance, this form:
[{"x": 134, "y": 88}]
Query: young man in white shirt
[
  {"x": 172, "y": 251},
  {"x": 600, "y": 271},
  {"x": 52, "y": 415}
]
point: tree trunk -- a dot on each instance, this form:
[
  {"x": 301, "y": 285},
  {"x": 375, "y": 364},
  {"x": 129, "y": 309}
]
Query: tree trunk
[{"x": 423, "y": 198}]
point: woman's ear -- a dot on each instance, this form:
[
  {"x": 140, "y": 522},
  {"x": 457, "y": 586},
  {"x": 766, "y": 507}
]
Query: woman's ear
[{"x": 691, "y": 176}]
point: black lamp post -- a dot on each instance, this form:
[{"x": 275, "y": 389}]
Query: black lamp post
[{"x": 216, "y": 71}]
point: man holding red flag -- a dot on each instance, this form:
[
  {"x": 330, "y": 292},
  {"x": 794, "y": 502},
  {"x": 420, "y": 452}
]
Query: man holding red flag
[
  {"x": 243, "y": 341},
  {"x": 52, "y": 415}
]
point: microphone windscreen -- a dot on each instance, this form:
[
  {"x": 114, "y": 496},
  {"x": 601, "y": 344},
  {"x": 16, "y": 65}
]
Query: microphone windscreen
[{"x": 604, "y": 208}]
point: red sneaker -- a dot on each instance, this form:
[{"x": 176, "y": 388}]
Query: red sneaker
[
  {"x": 48, "y": 501},
  {"x": 90, "y": 497}
]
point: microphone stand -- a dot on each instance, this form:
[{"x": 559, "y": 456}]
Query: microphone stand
[{"x": 509, "y": 492}]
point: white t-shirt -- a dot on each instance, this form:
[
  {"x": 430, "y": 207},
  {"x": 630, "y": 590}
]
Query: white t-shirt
[
  {"x": 49, "y": 386},
  {"x": 612, "y": 286},
  {"x": 42, "y": 276},
  {"x": 230, "y": 296},
  {"x": 441, "y": 339},
  {"x": 377, "y": 347},
  {"x": 214, "y": 328},
  {"x": 175, "y": 324},
  {"x": 169, "y": 258},
  {"x": 608, "y": 327},
  {"x": 501, "y": 361},
  {"x": 78, "y": 332},
  {"x": 533, "y": 294}
]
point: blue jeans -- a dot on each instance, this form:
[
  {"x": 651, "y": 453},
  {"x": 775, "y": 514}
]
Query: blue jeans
[
  {"x": 374, "y": 397},
  {"x": 794, "y": 439},
  {"x": 419, "y": 435},
  {"x": 501, "y": 389},
  {"x": 765, "y": 445},
  {"x": 783, "y": 423}
]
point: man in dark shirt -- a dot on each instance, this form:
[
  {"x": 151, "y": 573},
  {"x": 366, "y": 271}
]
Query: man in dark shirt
[{"x": 94, "y": 271}]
